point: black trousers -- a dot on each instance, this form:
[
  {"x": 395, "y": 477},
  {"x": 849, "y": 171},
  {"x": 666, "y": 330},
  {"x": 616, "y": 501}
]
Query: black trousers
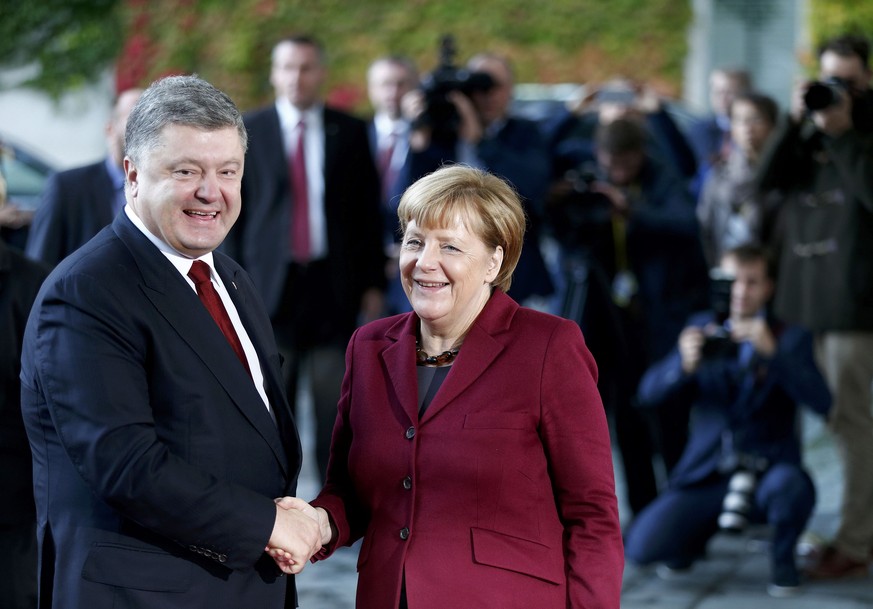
[{"x": 312, "y": 328}]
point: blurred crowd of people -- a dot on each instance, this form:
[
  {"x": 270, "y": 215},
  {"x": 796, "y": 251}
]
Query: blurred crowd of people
[{"x": 722, "y": 272}]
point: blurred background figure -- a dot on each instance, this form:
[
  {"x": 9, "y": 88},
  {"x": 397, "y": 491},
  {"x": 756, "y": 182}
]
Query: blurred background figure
[
  {"x": 78, "y": 202},
  {"x": 730, "y": 210},
  {"x": 633, "y": 272},
  {"x": 710, "y": 137},
  {"x": 744, "y": 376},
  {"x": 570, "y": 134},
  {"x": 20, "y": 279},
  {"x": 823, "y": 236},
  {"x": 310, "y": 231},
  {"x": 469, "y": 123},
  {"x": 389, "y": 79}
]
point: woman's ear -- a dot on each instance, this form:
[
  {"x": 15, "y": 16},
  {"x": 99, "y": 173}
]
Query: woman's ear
[{"x": 495, "y": 262}]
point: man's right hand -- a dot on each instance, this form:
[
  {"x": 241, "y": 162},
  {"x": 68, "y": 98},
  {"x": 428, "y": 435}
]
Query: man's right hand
[
  {"x": 690, "y": 348},
  {"x": 295, "y": 539}
]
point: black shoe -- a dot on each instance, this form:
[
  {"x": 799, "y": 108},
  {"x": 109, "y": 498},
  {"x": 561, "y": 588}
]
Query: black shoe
[
  {"x": 784, "y": 582},
  {"x": 673, "y": 570}
]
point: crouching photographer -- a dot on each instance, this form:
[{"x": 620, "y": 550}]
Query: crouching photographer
[{"x": 744, "y": 405}]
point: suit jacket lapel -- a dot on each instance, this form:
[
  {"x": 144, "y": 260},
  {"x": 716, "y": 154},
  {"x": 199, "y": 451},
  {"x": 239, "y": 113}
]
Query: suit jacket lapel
[
  {"x": 399, "y": 363},
  {"x": 272, "y": 376},
  {"x": 178, "y": 304},
  {"x": 332, "y": 147},
  {"x": 481, "y": 347},
  {"x": 476, "y": 355}
]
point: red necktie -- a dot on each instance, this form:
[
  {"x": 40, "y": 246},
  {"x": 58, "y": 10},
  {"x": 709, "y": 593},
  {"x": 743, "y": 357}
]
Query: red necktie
[
  {"x": 300, "y": 246},
  {"x": 199, "y": 274}
]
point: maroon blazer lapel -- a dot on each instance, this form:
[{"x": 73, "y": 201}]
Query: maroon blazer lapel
[
  {"x": 399, "y": 362},
  {"x": 481, "y": 347}
]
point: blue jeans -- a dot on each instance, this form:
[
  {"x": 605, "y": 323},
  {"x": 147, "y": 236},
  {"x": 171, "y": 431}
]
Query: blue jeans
[{"x": 676, "y": 527}]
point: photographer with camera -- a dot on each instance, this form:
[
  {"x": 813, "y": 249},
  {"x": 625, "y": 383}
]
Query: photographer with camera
[
  {"x": 823, "y": 233},
  {"x": 743, "y": 439},
  {"x": 462, "y": 116},
  {"x": 633, "y": 272}
]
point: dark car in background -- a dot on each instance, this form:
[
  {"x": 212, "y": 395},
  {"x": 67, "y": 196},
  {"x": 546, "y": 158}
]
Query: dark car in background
[
  {"x": 543, "y": 102},
  {"x": 25, "y": 174}
]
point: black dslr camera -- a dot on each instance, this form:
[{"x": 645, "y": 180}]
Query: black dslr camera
[
  {"x": 719, "y": 344},
  {"x": 581, "y": 218},
  {"x": 440, "y": 114},
  {"x": 824, "y": 94}
]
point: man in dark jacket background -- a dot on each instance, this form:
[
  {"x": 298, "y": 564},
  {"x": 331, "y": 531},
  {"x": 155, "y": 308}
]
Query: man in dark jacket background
[{"x": 823, "y": 234}]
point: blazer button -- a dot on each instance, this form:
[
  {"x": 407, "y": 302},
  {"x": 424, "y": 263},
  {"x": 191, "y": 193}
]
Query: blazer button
[
  {"x": 404, "y": 533},
  {"x": 410, "y": 433},
  {"x": 222, "y": 558},
  {"x": 407, "y": 483}
]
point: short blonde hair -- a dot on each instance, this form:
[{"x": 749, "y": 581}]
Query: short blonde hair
[{"x": 486, "y": 204}]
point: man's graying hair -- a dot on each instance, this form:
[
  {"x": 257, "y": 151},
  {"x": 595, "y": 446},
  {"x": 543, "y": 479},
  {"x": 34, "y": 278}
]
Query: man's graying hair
[{"x": 179, "y": 100}]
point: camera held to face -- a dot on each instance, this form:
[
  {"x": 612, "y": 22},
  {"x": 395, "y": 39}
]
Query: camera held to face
[
  {"x": 718, "y": 342},
  {"x": 824, "y": 94},
  {"x": 440, "y": 114}
]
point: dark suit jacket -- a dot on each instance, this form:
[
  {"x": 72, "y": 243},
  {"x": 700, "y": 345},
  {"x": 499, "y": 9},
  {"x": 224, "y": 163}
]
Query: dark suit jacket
[
  {"x": 756, "y": 404},
  {"x": 501, "y": 494},
  {"x": 260, "y": 238},
  {"x": 706, "y": 138},
  {"x": 391, "y": 192},
  {"x": 20, "y": 279},
  {"x": 76, "y": 204},
  {"x": 155, "y": 460}
]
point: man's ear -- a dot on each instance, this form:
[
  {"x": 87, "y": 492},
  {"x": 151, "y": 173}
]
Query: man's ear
[{"x": 131, "y": 174}]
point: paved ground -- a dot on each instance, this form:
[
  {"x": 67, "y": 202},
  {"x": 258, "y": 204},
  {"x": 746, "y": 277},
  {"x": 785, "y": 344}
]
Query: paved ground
[{"x": 734, "y": 576}]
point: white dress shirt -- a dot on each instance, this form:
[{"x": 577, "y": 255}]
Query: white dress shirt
[
  {"x": 385, "y": 127},
  {"x": 313, "y": 147},
  {"x": 183, "y": 265}
]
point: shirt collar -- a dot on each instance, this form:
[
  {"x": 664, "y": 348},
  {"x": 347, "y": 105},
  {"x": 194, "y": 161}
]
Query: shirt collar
[
  {"x": 289, "y": 115},
  {"x": 385, "y": 125},
  {"x": 179, "y": 260}
]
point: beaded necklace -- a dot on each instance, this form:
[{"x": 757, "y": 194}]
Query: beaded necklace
[{"x": 443, "y": 359}]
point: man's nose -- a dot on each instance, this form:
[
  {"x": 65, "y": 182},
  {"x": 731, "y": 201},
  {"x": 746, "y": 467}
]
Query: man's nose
[{"x": 208, "y": 189}]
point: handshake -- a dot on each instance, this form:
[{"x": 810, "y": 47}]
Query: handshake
[{"x": 299, "y": 532}]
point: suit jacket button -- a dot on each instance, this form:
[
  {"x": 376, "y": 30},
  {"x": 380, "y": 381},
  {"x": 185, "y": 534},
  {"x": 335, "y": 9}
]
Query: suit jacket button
[
  {"x": 404, "y": 533},
  {"x": 222, "y": 558},
  {"x": 410, "y": 433},
  {"x": 407, "y": 483}
]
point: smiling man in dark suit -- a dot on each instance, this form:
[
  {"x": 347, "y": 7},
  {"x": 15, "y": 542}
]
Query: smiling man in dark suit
[
  {"x": 310, "y": 233},
  {"x": 158, "y": 447}
]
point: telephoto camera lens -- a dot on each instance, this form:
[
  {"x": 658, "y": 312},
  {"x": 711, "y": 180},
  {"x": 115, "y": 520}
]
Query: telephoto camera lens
[{"x": 737, "y": 504}]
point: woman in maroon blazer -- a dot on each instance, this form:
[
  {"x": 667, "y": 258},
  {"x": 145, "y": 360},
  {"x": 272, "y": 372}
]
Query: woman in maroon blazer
[{"x": 471, "y": 448}]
